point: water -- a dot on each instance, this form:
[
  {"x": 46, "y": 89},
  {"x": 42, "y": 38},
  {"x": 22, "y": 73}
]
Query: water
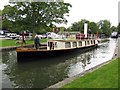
[{"x": 43, "y": 73}]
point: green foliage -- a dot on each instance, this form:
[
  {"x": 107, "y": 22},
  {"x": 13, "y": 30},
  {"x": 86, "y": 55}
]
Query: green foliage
[
  {"x": 118, "y": 27},
  {"x": 34, "y": 16},
  {"x": 113, "y": 28},
  {"x": 40, "y": 17},
  {"x": 69, "y": 29},
  {"x": 103, "y": 26},
  {"x": 0, "y": 12},
  {"x": 62, "y": 29},
  {"x": 106, "y": 27},
  {"x": 93, "y": 27},
  {"x": 79, "y": 26}
]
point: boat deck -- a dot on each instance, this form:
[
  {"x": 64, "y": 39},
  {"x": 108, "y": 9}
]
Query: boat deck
[{"x": 41, "y": 48}]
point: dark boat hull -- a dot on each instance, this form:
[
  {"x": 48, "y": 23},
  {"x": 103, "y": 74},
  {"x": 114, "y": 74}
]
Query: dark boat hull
[
  {"x": 114, "y": 36},
  {"x": 23, "y": 56}
]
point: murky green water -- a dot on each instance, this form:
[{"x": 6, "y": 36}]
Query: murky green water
[{"x": 43, "y": 73}]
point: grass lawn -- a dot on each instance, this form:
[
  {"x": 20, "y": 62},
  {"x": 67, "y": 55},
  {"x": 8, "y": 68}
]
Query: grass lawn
[
  {"x": 5, "y": 43},
  {"x": 104, "y": 77},
  {"x": 105, "y": 40}
]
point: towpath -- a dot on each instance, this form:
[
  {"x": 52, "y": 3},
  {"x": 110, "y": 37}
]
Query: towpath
[{"x": 117, "y": 49}]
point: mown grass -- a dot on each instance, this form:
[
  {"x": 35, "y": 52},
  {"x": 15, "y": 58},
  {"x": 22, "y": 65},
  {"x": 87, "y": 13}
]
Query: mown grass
[
  {"x": 5, "y": 43},
  {"x": 104, "y": 77},
  {"x": 105, "y": 40}
]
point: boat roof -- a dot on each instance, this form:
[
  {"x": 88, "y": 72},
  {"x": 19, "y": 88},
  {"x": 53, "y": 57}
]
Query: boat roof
[{"x": 62, "y": 40}]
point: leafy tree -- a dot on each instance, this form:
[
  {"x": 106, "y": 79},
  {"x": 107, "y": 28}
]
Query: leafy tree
[
  {"x": 105, "y": 27},
  {"x": 118, "y": 27},
  {"x": 69, "y": 29},
  {"x": 0, "y": 12},
  {"x": 93, "y": 27},
  {"x": 113, "y": 28},
  {"x": 11, "y": 19},
  {"x": 79, "y": 26},
  {"x": 62, "y": 29},
  {"x": 35, "y": 16}
]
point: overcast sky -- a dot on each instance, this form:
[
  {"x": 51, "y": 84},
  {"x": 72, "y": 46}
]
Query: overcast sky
[
  {"x": 92, "y": 10},
  {"x": 119, "y": 12}
]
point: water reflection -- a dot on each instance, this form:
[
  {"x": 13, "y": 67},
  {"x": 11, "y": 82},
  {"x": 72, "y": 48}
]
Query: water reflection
[
  {"x": 43, "y": 73},
  {"x": 80, "y": 63}
]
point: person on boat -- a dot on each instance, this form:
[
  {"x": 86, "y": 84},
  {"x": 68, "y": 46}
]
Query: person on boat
[
  {"x": 36, "y": 42},
  {"x": 23, "y": 39}
]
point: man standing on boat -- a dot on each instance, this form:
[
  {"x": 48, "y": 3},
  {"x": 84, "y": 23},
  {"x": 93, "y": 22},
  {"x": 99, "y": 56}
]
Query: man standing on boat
[
  {"x": 36, "y": 42},
  {"x": 23, "y": 39}
]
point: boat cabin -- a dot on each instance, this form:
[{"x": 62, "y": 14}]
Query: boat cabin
[{"x": 69, "y": 44}]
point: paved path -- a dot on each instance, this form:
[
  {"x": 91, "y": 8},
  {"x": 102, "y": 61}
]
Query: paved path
[{"x": 117, "y": 49}]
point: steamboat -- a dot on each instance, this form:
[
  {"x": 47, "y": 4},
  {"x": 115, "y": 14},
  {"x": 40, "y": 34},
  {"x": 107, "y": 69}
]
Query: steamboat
[{"x": 59, "y": 47}]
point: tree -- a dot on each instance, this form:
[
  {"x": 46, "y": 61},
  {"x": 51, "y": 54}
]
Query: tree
[
  {"x": 118, "y": 28},
  {"x": 79, "y": 26},
  {"x": 11, "y": 19},
  {"x": 93, "y": 27},
  {"x": 105, "y": 27},
  {"x": 113, "y": 28},
  {"x": 36, "y": 16}
]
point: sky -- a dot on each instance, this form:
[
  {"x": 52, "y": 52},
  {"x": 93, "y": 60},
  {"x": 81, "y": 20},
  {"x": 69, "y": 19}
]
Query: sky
[
  {"x": 91, "y": 10},
  {"x": 94, "y": 10},
  {"x": 119, "y": 12}
]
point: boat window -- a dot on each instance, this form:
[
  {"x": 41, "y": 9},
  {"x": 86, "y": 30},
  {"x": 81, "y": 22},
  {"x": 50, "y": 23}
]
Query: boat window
[
  {"x": 67, "y": 45},
  {"x": 94, "y": 41},
  {"x": 51, "y": 45},
  {"x": 88, "y": 42},
  {"x": 74, "y": 44},
  {"x": 48, "y": 44},
  {"x": 85, "y": 43},
  {"x": 80, "y": 43},
  {"x": 91, "y": 42},
  {"x": 55, "y": 45}
]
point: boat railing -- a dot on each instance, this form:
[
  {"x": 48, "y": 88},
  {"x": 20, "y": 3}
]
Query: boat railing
[{"x": 80, "y": 36}]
